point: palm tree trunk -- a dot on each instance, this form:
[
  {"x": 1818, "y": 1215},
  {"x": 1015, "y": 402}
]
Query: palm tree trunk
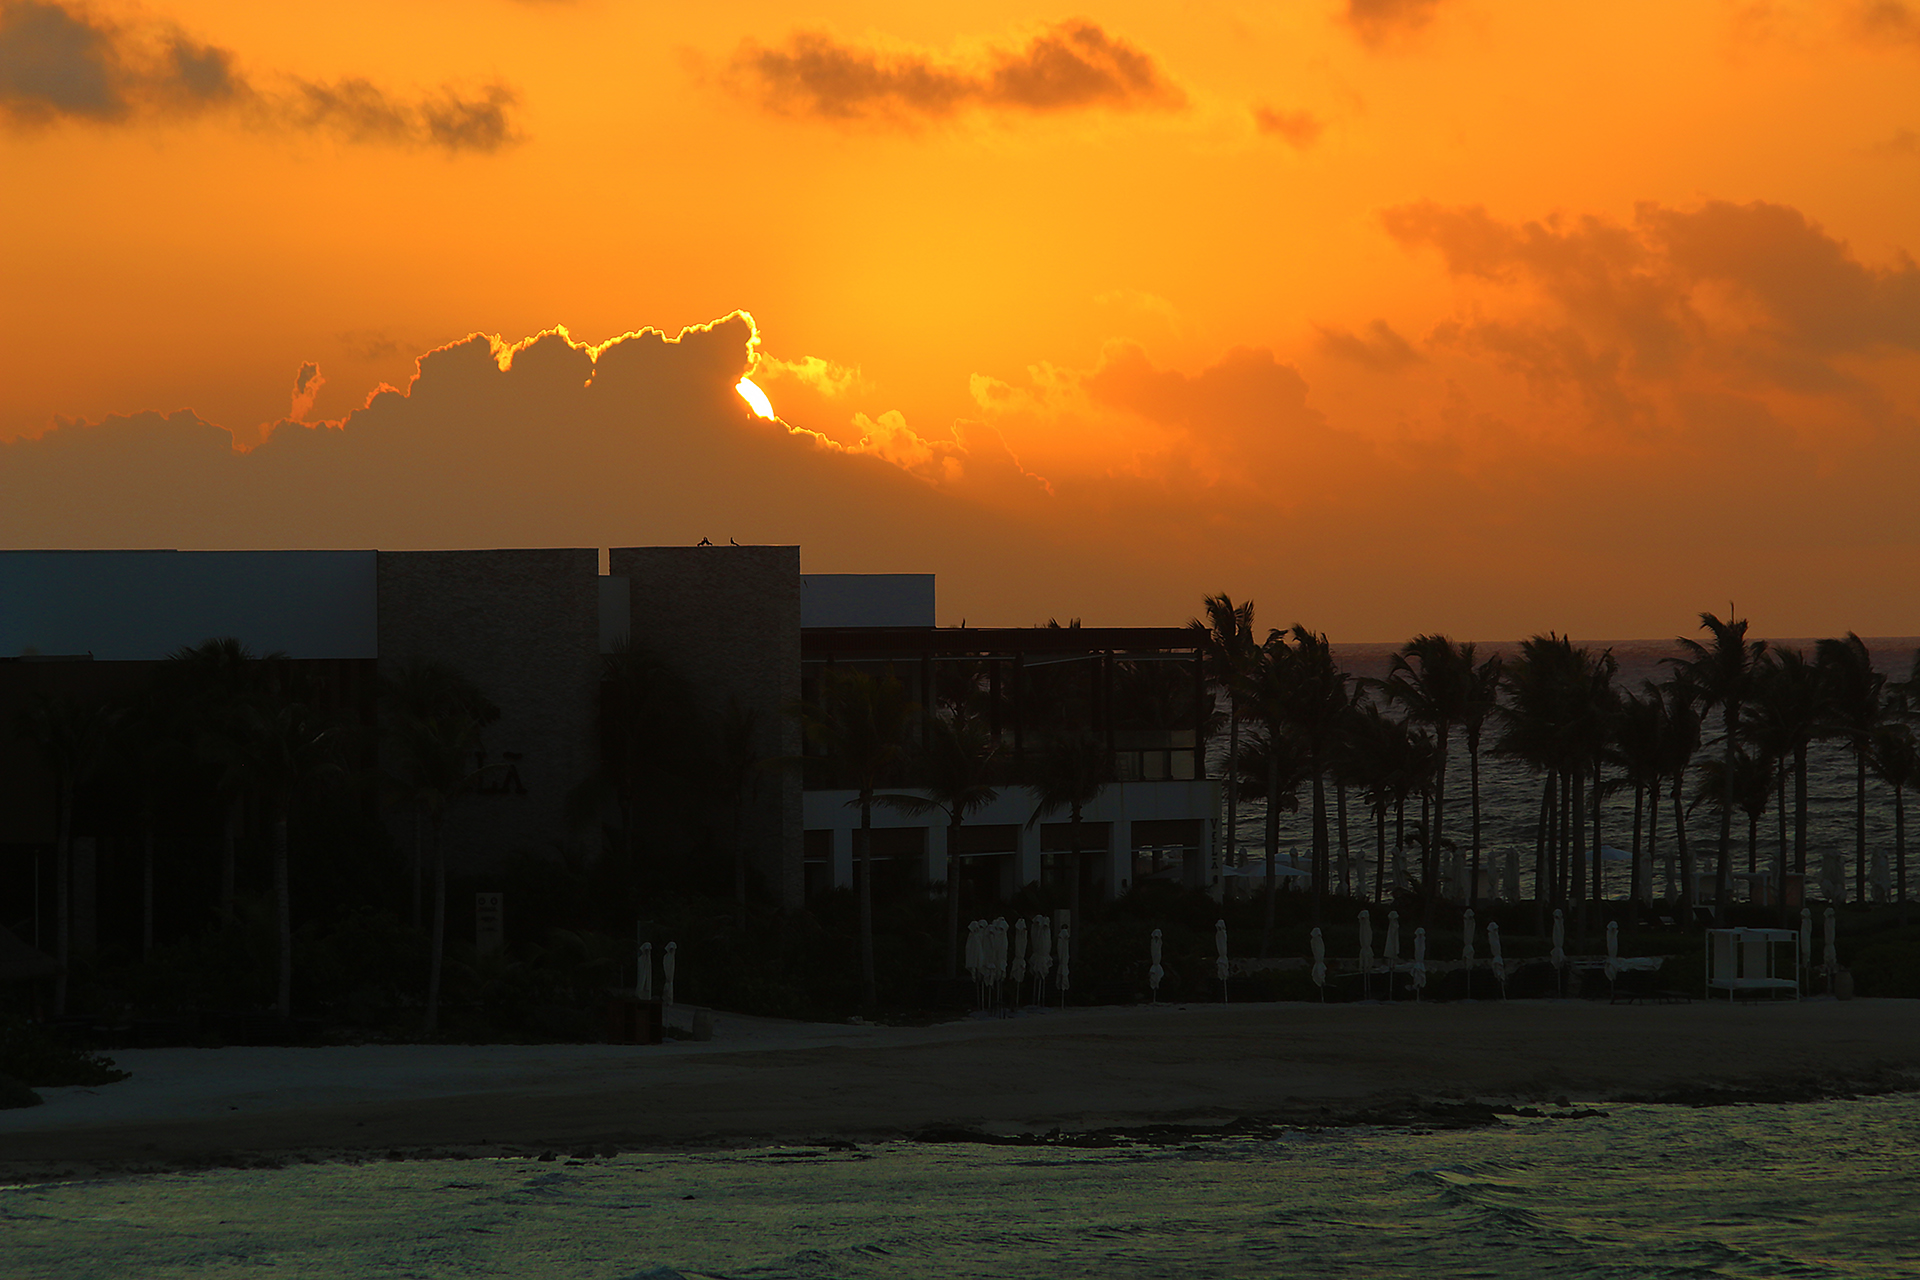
[
  {"x": 1900, "y": 850},
  {"x": 1073, "y": 884},
  {"x": 1800, "y": 809},
  {"x": 1633, "y": 876},
  {"x": 283, "y": 912},
  {"x": 1473, "y": 789},
  {"x": 439, "y": 927},
  {"x": 1272, "y": 844},
  {"x": 1577, "y": 853},
  {"x": 1676, "y": 805},
  {"x": 1542, "y": 851},
  {"x": 1780, "y": 854},
  {"x": 229, "y": 837},
  {"x": 63, "y": 894},
  {"x": 1723, "y": 862},
  {"x": 146, "y": 887},
  {"x": 1380, "y": 850},
  {"x": 953, "y": 898},
  {"x": 1435, "y": 846},
  {"x": 1653, "y": 838},
  {"x": 1233, "y": 786},
  {"x": 1346, "y": 854},
  {"x": 1322, "y": 853},
  {"x": 1599, "y": 892},
  {"x": 869, "y": 989},
  {"x": 1860, "y": 824}
]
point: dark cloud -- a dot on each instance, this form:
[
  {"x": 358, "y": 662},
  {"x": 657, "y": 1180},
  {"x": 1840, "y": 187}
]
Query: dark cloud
[
  {"x": 1378, "y": 348},
  {"x": 1377, "y": 22},
  {"x": 1068, "y": 67},
  {"x": 1703, "y": 304},
  {"x": 60, "y": 62},
  {"x": 1881, "y": 21},
  {"x": 1301, "y": 128}
]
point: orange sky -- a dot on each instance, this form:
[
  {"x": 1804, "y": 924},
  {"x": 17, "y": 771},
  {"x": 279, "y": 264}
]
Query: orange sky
[{"x": 1395, "y": 315}]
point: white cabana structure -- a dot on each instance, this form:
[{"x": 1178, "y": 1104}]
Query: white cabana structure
[
  {"x": 1366, "y": 951},
  {"x": 1154, "y": 970},
  {"x": 668, "y": 962},
  {"x": 643, "y": 973},
  {"x": 1319, "y": 945},
  {"x": 1220, "y": 955},
  {"x": 1747, "y": 961}
]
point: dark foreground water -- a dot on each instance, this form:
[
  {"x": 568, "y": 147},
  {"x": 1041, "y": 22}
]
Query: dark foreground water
[{"x": 1825, "y": 1189}]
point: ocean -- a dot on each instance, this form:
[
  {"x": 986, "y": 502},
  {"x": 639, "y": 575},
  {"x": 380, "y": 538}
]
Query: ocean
[
  {"x": 1510, "y": 794},
  {"x": 1826, "y": 1189}
]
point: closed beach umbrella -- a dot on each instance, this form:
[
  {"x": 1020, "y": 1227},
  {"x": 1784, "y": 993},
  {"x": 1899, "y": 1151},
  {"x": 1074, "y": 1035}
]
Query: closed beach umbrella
[
  {"x": 1498, "y": 961},
  {"x": 1220, "y": 955},
  {"x": 975, "y": 961},
  {"x": 1018, "y": 971},
  {"x": 997, "y": 950},
  {"x": 1831, "y": 957},
  {"x": 667, "y": 962},
  {"x": 1466, "y": 935},
  {"x": 1319, "y": 945},
  {"x": 643, "y": 977},
  {"x": 1366, "y": 950},
  {"x": 1154, "y": 971},
  {"x": 1613, "y": 950},
  {"x": 1806, "y": 938},
  {"x": 1419, "y": 961},
  {"x": 1062, "y": 978}
]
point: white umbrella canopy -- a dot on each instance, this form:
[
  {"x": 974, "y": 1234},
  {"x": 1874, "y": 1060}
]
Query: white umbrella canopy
[
  {"x": 1419, "y": 959},
  {"x": 668, "y": 962},
  {"x": 1018, "y": 972},
  {"x": 1494, "y": 957},
  {"x": 1831, "y": 954},
  {"x": 1154, "y": 970},
  {"x": 1319, "y": 945},
  {"x": 1391, "y": 950},
  {"x": 997, "y": 949},
  {"x": 1613, "y": 950},
  {"x": 976, "y": 950},
  {"x": 1466, "y": 935},
  {"x": 643, "y": 976}
]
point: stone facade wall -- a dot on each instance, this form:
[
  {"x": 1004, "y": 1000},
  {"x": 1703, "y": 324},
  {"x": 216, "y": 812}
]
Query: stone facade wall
[
  {"x": 525, "y": 626},
  {"x": 728, "y": 618}
]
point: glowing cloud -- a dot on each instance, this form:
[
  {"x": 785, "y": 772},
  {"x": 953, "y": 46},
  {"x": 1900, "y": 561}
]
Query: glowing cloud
[{"x": 754, "y": 396}]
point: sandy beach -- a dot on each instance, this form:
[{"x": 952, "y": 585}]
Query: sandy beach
[{"x": 762, "y": 1081}]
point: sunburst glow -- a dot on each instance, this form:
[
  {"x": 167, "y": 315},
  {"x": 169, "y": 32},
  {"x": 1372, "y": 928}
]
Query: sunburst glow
[{"x": 754, "y": 396}]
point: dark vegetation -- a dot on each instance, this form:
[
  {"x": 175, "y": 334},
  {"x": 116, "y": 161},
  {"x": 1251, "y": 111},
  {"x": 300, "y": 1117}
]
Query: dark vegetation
[{"x": 296, "y": 873}]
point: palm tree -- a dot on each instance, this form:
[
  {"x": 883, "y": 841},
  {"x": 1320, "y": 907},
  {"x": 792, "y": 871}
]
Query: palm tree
[
  {"x": 1679, "y": 740},
  {"x": 1855, "y": 711},
  {"x": 1227, "y": 643},
  {"x": 1722, "y": 674},
  {"x": 216, "y": 681},
  {"x": 289, "y": 750},
  {"x": 1896, "y": 761},
  {"x": 1785, "y": 717},
  {"x": 72, "y": 739},
  {"x": 433, "y": 727},
  {"x": 1271, "y": 767},
  {"x": 1437, "y": 682},
  {"x": 953, "y": 769},
  {"x": 860, "y": 725},
  {"x": 1070, "y": 774},
  {"x": 1637, "y": 750},
  {"x": 1483, "y": 699},
  {"x": 1316, "y": 698},
  {"x": 1555, "y": 719}
]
